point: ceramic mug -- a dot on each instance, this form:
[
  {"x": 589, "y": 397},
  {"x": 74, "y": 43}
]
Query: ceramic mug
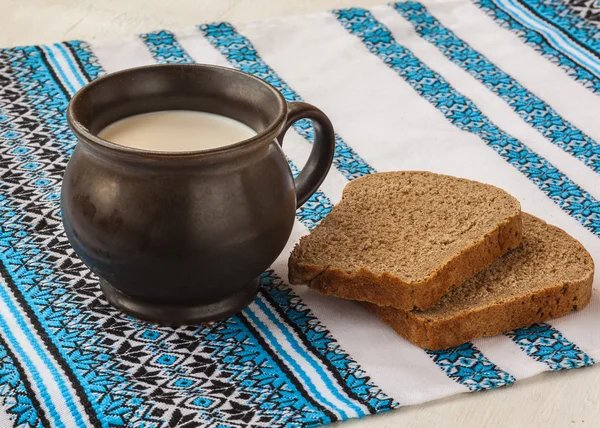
[{"x": 182, "y": 237}]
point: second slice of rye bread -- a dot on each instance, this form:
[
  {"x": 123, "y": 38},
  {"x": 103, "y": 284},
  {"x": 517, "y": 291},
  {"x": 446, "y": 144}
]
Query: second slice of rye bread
[
  {"x": 547, "y": 276},
  {"x": 404, "y": 239}
]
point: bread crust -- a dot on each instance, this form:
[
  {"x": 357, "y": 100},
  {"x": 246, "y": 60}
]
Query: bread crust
[
  {"x": 542, "y": 305},
  {"x": 388, "y": 290}
]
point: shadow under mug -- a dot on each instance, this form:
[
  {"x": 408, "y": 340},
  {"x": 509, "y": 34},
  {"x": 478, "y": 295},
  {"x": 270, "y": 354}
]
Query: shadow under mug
[{"x": 182, "y": 237}]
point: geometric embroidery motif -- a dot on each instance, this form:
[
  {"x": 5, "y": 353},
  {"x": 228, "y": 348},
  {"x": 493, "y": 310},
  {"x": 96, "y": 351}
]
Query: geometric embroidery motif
[
  {"x": 468, "y": 366},
  {"x": 165, "y": 49},
  {"x": 588, "y": 10},
  {"x": 549, "y": 346}
]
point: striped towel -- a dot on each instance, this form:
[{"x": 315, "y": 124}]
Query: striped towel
[{"x": 500, "y": 91}]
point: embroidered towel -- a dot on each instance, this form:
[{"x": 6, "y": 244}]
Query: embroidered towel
[{"x": 500, "y": 91}]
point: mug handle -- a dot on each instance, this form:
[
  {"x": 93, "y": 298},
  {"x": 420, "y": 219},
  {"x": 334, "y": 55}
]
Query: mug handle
[{"x": 321, "y": 156}]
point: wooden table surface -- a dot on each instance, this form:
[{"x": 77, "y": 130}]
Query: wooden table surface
[{"x": 551, "y": 400}]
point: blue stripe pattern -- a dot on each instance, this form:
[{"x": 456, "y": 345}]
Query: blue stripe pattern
[
  {"x": 83, "y": 55},
  {"x": 15, "y": 396},
  {"x": 5, "y": 260},
  {"x": 541, "y": 44},
  {"x": 558, "y": 38},
  {"x": 29, "y": 59},
  {"x": 309, "y": 415},
  {"x": 465, "y": 115},
  {"x": 461, "y": 112},
  {"x": 166, "y": 49},
  {"x": 562, "y": 18},
  {"x": 52, "y": 58},
  {"x": 306, "y": 380},
  {"x": 324, "y": 344},
  {"x": 23, "y": 356},
  {"x": 528, "y": 106},
  {"x": 72, "y": 66},
  {"x": 294, "y": 342},
  {"x": 547, "y": 345},
  {"x": 240, "y": 52}
]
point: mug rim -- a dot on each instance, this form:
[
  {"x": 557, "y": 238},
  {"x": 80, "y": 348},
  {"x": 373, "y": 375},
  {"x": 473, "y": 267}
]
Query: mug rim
[{"x": 271, "y": 132}]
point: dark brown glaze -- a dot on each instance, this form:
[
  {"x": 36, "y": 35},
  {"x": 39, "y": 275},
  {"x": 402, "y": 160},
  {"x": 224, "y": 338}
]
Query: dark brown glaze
[{"x": 180, "y": 237}]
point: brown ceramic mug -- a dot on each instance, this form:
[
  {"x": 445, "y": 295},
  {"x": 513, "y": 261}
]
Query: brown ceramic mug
[{"x": 182, "y": 237}]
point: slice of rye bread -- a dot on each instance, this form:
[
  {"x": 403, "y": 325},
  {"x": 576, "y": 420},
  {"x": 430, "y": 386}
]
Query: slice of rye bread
[
  {"x": 547, "y": 276},
  {"x": 403, "y": 239}
]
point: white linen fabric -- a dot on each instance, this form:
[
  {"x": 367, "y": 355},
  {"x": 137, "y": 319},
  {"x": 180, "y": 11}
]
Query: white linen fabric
[{"x": 500, "y": 91}]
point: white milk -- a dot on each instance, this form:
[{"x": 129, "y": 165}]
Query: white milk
[{"x": 176, "y": 131}]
